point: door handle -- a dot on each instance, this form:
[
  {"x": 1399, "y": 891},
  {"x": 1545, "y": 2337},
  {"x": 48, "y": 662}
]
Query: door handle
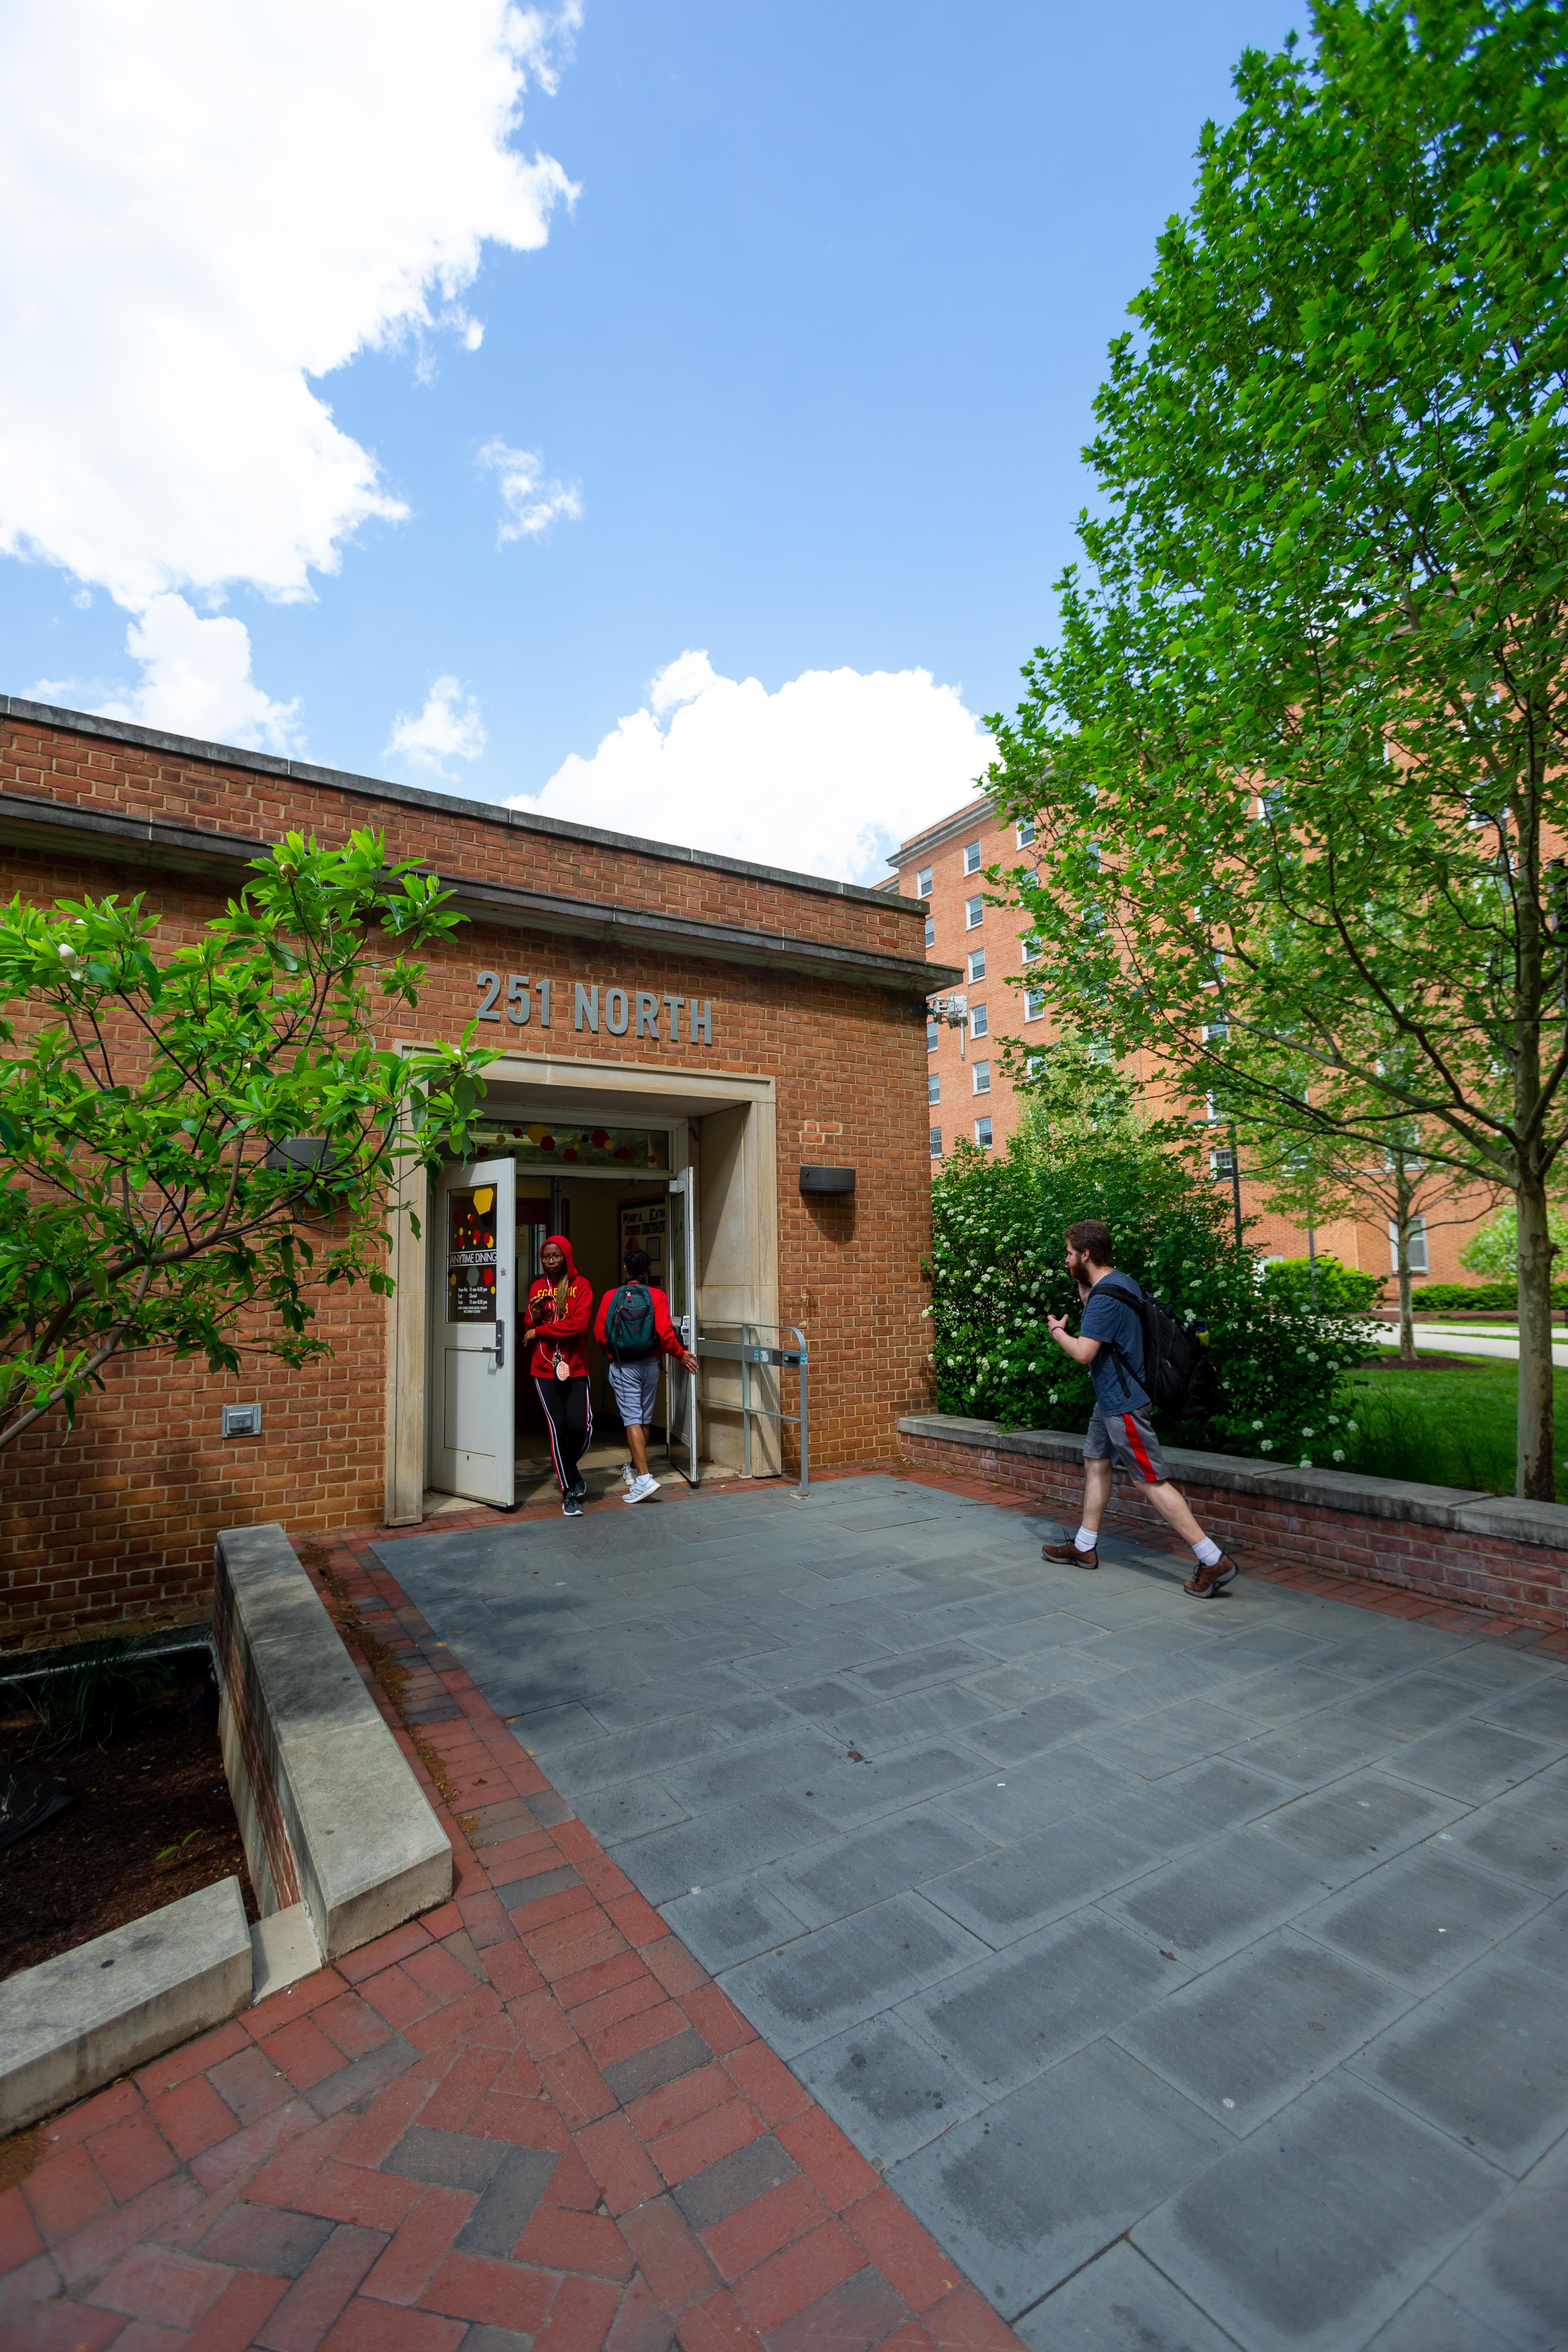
[{"x": 500, "y": 1344}]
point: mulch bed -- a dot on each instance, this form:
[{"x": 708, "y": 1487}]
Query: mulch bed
[{"x": 153, "y": 1821}]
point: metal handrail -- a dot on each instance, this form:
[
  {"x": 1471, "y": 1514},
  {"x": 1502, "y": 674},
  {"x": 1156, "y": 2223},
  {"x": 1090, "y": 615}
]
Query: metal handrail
[{"x": 747, "y": 1350}]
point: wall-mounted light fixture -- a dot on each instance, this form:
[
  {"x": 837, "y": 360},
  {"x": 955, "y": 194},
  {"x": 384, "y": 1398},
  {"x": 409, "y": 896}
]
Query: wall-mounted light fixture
[{"x": 827, "y": 1179}]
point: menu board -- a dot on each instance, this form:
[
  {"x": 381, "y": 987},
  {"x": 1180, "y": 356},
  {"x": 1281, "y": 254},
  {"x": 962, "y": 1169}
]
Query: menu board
[{"x": 471, "y": 1256}]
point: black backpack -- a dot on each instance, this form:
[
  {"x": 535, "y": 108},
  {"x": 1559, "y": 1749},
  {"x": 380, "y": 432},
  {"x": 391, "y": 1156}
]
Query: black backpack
[
  {"x": 1178, "y": 1372},
  {"x": 629, "y": 1324}
]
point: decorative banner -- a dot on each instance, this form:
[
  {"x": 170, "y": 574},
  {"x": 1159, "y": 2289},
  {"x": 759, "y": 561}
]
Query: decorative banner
[{"x": 471, "y": 1256}]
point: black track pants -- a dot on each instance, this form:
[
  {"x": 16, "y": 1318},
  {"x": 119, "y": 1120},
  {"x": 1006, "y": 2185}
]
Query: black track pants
[{"x": 570, "y": 1418}]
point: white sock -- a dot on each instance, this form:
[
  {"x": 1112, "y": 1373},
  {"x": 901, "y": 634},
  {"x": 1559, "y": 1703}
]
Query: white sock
[
  {"x": 1086, "y": 1539},
  {"x": 1207, "y": 1550}
]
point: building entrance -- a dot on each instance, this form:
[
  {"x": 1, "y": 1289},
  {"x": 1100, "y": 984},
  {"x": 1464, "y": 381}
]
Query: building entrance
[{"x": 696, "y": 1192}]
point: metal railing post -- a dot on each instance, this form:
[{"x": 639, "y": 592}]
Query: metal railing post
[{"x": 805, "y": 1448}]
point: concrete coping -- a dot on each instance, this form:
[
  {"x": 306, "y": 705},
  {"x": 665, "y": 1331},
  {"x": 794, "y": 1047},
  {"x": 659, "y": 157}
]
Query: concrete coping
[
  {"x": 1468, "y": 1511},
  {"x": 368, "y": 1850},
  {"x": 86, "y": 2016}
]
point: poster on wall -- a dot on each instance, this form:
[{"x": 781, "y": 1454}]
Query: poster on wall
[
  {"x": 643, "y": 1224},
  {"x": 471, "y": 1256}
]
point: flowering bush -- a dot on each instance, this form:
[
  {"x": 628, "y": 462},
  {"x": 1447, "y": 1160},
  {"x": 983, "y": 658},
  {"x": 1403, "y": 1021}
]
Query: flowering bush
[{"x": 997, "y": 1271}]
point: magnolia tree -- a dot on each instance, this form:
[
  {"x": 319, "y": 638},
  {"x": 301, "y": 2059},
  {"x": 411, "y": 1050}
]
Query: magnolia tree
[
  {"x": 1298, "y": 762},
  {"x": 197, "y": 1142}
]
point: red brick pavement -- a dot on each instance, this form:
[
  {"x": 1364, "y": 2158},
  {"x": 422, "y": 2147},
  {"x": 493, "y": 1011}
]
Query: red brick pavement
[{"x": 528, "y": 2114}]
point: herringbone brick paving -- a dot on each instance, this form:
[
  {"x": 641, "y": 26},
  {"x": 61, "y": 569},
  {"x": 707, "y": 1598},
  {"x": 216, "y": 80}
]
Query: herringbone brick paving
[{"x": 527, "y": 2117}]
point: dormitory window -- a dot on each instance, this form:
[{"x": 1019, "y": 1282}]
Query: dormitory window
[
  {"x": 934, "y": 1036},
  {"x": 930, "y": 930},
  {"x": 923, "y": 883},
  {"x": 974, "y": 914},
  {"x": 982, "y": 1133},
  {"x": 1222, "y": 1164},
  {"x": 982, "y": 1076},
  {"x": 1031, "y": 947},
  {"x": 1033, "y": 1005},
  {"x": 1026, "y": 833},
  {"x": 977, "y": 964},
  {"x": 1417, "y": 1245},
  {"x": 980, "y": 1022},
  {"x": 933, "y": 1088},
  {"x": 936, "y": 1143},
  {"x": 971, "y": 857}
]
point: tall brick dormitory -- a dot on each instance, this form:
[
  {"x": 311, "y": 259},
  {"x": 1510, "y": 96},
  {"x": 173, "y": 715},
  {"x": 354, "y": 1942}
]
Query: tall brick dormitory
[{"x": 700, "y": 1032}]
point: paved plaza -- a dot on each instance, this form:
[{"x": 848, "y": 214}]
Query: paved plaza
[{"x": 1195, "y": 1973}]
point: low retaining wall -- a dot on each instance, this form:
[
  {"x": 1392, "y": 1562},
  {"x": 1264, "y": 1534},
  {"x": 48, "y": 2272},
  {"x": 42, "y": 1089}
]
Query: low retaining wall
[
  {"x": 1451, "y": 1544},
  {"x": 329, "y": 1810}
]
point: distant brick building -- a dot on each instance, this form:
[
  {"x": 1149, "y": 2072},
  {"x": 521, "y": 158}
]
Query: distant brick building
[
  {"x": 722, "y": 1025},
  {"x": 970, "y": 1097}
]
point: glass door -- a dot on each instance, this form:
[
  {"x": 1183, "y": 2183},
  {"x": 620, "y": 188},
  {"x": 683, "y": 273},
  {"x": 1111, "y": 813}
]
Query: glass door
[
  {"x": 680, "y": 1386},
  {"x": 471, "y": 1392}
]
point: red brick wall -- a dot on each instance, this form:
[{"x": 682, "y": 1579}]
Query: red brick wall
[
  {"x": 1528, "y": 1582},
  {"x": 113, "y": 1523}
]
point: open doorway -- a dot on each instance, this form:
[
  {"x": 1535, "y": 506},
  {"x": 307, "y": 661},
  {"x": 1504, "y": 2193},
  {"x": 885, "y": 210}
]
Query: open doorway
[{"x": 595, "y": 1152}]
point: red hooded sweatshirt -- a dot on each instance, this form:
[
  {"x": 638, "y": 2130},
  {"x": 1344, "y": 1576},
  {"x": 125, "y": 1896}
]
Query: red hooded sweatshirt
[{"x": 560, "y": 1334}]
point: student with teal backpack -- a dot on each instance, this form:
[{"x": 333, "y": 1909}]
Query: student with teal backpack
[{"x": 635, "y": 1330}]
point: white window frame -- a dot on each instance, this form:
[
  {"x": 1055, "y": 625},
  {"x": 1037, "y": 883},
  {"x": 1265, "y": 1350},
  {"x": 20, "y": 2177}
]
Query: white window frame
[
  {"x": 976, "y": 963},
  {"x": 930, "y": 930},
  {"x": 981, "y": 1085},
  {"x": 984, "y": 1141},
  {"x": 980, "y": 1021},
  {"x": 936, "y": 1143},
  {"x": 971, "y": 857},
  {"x": 933, "y": 1034},
  {"x": 1033, "y": 1005},
  {"x": 1026, "y": 833},
  {"x": 1029, "y": 948},
  {"x": 1420, "y": 1256},
  {"x": 923, "y": 883},
  {"x": 933, "y": 1087},
  {"x": 975, "y": 912}
]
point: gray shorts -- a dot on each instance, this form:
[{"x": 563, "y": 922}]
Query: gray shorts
[
  {"x": 635, "y": 1388},
  {"x": 1127, "y": 1438}
]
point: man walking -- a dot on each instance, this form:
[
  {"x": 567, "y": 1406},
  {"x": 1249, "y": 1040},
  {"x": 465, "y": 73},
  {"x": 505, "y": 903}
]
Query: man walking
[
  {"x": 1111, "y": 1346},
  {"x": 634, "y": 1329}
]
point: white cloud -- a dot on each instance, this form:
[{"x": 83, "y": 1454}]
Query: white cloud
[
  {"x": 448, "y": 728},
  {"x": 197, "y": 681},
  {"x": 205, "y": 208},
  {"x": 824, "y": 777},
  {"x": 532, "y": 501}
]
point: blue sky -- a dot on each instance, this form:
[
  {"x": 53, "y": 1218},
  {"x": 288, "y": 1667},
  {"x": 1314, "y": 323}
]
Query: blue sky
[{"x": 813, "y": 351}]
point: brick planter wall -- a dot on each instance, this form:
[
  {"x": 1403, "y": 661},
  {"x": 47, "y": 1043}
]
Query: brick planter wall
[{"x": 1447, "y": 1543}]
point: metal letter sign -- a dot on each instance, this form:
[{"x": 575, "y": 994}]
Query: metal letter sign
[{"x": 622, "y": 1011}]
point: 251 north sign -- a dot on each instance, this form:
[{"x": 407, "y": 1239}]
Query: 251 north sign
[{"x": 634, "y": 1012}]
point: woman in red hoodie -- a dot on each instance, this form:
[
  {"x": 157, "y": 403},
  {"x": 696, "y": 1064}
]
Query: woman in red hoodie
[{"x": 559, "y": 1310}]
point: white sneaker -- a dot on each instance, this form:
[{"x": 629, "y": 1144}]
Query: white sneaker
[
  {"x": 629, "y": 1474},
  {"x": 641, "y": 1490}
]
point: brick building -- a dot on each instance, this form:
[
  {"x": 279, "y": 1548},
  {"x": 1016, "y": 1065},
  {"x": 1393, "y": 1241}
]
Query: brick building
[
  {"x": 683, "y": 1035},
  {"x": 970, "y": 1097}
]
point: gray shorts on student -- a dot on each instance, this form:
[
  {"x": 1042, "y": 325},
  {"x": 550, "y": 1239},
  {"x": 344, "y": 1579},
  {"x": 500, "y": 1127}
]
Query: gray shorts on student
[
  {"x": 1127, "y": 1438},
  {"x": 635, "y": 1388}
]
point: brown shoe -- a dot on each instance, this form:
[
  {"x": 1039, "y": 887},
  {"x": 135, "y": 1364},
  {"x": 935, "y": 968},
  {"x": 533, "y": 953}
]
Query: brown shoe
[
  {"x": 1069, "y": 1551},
  {"x": 1208, "y": 1581}
]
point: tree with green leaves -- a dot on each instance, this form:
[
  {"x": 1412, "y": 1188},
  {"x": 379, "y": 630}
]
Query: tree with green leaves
[
  {"x": 1298, "y": 762},
  {"x": 199, "y": 1142}
]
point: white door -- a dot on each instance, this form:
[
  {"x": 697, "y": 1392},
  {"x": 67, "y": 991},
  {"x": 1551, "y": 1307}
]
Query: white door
[
  {"x": 680, "y": 1412},
  {"x": 473, "y": 1327}
]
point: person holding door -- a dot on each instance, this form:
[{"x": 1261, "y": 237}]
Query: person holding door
[
  {"x": 557, "y": 1318},
  {"x": 635, "y": 1332}
]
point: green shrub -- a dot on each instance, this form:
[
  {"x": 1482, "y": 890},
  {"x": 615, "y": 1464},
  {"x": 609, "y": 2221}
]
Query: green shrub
[
  {"x": 1474, "y": 1298},
  {"x": 997, "y": 1272},
  {"x": 1339, "y": 1287}
]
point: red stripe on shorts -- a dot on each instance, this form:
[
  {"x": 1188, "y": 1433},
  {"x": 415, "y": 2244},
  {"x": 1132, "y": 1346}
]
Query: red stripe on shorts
[{"x": 1138, "y": 1450}]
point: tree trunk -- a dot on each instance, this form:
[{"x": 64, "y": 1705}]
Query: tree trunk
[
  {"x": 1402, "y": 1193},
  {"x": 1536, "y": 1475}
]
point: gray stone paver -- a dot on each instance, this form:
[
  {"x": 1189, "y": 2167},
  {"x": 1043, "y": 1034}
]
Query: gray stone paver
[{"x": 1196, "y": 1973}]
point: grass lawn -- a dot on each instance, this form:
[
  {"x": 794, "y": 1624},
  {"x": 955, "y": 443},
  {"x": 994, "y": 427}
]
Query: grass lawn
[{"x": 1448, "y": 1426}]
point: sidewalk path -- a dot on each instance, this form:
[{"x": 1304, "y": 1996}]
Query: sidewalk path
[
  {"x": 1463, "y": 1340},
  {"x": 1194, "y": 1973}
]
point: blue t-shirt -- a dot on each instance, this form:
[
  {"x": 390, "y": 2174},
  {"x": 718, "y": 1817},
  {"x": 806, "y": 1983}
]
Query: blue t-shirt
[{"x": 1115, "y": 1376}]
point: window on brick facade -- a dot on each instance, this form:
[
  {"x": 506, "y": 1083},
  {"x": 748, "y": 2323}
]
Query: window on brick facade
[
  {"x": 1222, "y": 1164},
  {"x": 971, "y": 857},
  {"x": 936, "y": 1143},
  {"x": 1030, "y": 948},
  {"x": 923, "y": 883},
  {"x": 974, "y": 914},
  {"x": 982, "y": 1133},
  {"x": 1033, "y": 1005},
  {"x": 933, "y": 1088},
  {"x": 1026, "y": 833},
  {"x": 933, "y": 1035},
  {"x": 979, "y": 1021},
  {"x": 977, "y": 964},
  {"x": 930, "y": 930},
  {"x": 1417, "y": 1245},
  {"x": 982, "y": 1076}
]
